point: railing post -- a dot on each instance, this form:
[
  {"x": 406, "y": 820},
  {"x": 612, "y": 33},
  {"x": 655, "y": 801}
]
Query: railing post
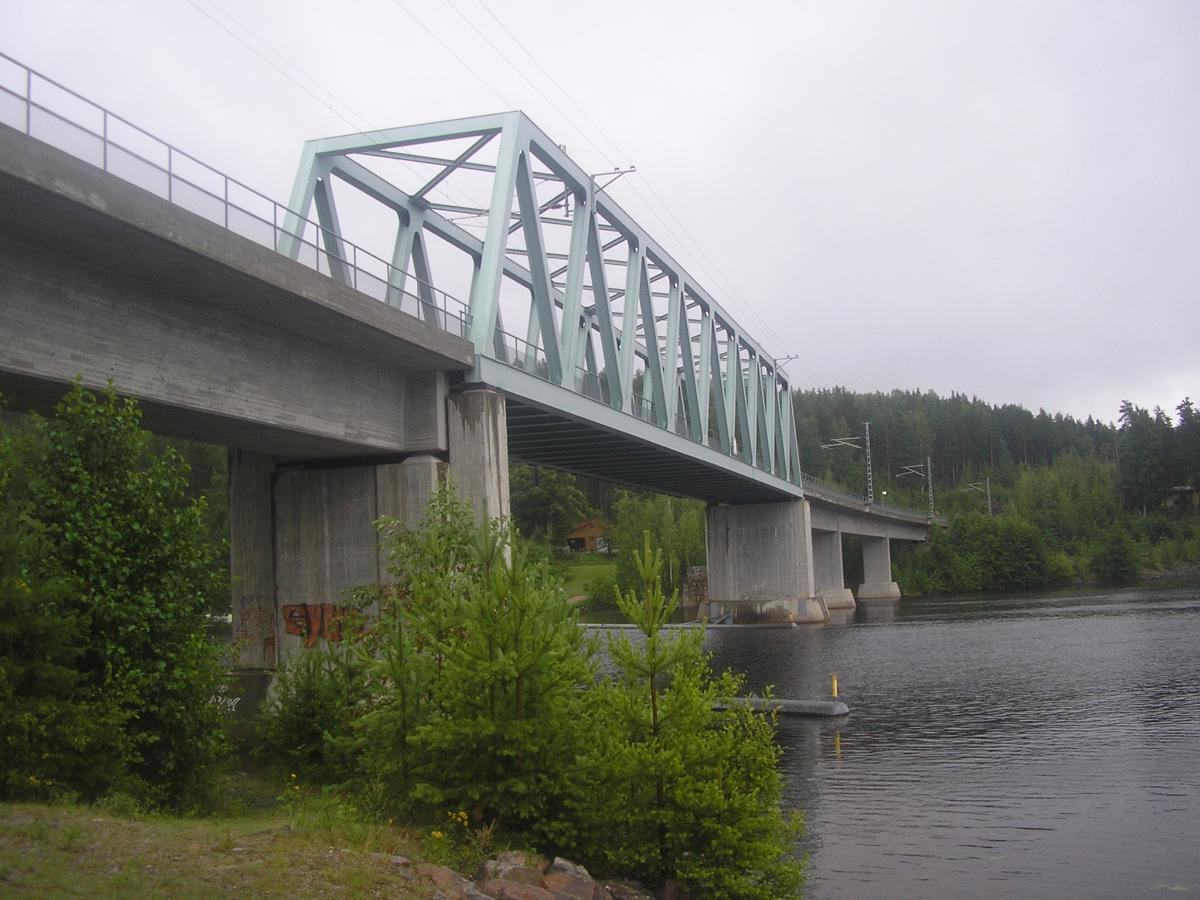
[
  {"x": 104, "y": 145},
  {"x": 227, "y": 203},
  {"x": 170, "y": 174},
  {"x": 354, "y": 265},
  {"x": 29, "y": 102}
]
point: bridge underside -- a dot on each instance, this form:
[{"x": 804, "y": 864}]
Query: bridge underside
[{"x": 546, "y": 437}]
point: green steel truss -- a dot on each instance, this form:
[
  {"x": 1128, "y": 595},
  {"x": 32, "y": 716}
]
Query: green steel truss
[{"x": 612, "y": 318}]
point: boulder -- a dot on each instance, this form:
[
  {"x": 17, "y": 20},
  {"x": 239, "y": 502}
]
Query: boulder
[
  {"x": 624, "y": 889},
  {"x": 512, "y": 865},
  {"x": 450, "y": 884},
  {"x": 503, "y": 889}
]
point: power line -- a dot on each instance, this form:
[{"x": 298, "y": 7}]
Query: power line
[
  {"x": 491, "y": 87},
  {"x": 526, "y": 79},
  {"x": 704, "y": 256},
  {"x": 362, "y": 125}
]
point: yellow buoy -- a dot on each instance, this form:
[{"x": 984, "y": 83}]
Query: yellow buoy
[{"x": 833, "y": 678}]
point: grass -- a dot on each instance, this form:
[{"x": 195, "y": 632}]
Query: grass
[
  {"x": 582, "y": 570},
  {"x": 259, "y": 846}
]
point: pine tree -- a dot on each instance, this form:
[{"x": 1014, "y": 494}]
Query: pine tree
[{"x": 687, "y": 790}]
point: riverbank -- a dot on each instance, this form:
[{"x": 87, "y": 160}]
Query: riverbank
[{"x": 261, "y": 842}]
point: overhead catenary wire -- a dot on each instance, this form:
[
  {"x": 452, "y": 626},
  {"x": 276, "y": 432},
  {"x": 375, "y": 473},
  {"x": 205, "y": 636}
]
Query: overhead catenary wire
[
  {"x": 704, "y": 256},
  {"x": 323, "y": 95},
  {"x": 326, "y": 97}
]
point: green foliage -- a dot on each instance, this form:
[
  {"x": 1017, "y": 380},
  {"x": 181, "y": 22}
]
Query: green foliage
[
  {"x": 1146, "y": 463},
  {"x": 675, "y": 526},
  {"x": 314, "y": 700},
  {"x": 123, "y": 559},
  {"x": 508, "y": 717},
  {"x": 472, "y": 699},
  {"x": 546, "y": 504},
  {"x": 57, "y": 735},
  {"x": 980, "y": 553},
  {"x": 1070, "y": 503},
  {"x": 463, "y": 694},
  {"x": 1114, "y": 561},
  {"x": 685, "y": 790}
]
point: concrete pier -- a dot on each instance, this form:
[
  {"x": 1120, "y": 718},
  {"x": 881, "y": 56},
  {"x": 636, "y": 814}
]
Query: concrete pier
[
  {"x": 302, "y": 536},
  {"x": 762, "y": 554},
  {"x": 478, "y": 439},
  {"x": 877, "y": 571},
  {"x": 828, "y": 575}
]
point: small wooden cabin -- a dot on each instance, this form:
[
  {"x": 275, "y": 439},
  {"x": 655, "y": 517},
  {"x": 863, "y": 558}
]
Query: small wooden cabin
[{"x": 588, "y": 537}]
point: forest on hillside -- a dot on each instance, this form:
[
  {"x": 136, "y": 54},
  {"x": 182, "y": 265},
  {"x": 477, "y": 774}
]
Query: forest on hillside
[{"x": 1070, "y": 500}]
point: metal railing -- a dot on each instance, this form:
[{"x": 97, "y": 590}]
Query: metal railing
[
  {"x": 844, "y": 493},
  {"x": 54, "y": 114}
]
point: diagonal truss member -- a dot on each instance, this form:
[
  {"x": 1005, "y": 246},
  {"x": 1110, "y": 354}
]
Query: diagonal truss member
[{"x": 596, "y": 319}]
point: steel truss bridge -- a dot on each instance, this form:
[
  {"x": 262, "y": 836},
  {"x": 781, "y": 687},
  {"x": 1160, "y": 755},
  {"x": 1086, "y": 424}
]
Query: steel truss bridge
[
  {"x": 625, "y": 367},
  {"x": 614, "y": 360}
]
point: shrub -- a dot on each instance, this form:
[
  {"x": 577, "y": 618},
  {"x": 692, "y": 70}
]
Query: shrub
[
  {"x": 57, "y": 735},
  {"x": 312, "y": 705},
  {"x": 685, "y": 790},
  {"x": 1114, "y": 562},
  {"x": 137, "y": 575},
  {"x": 470, "y": 683},
  {"x": 508, "y": 715}
]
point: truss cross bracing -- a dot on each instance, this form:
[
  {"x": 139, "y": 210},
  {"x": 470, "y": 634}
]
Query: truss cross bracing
[{"x": 564, "y": 288}]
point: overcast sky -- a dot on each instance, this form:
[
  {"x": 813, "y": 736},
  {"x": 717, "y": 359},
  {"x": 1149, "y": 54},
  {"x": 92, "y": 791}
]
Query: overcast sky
[{"x": 1000, "y": 198}]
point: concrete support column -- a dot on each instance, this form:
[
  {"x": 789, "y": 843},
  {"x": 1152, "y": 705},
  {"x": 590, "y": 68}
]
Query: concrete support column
[
  {"x": 252, "y": 559},
  {"x": 325, "y": 544},
  {"x": 827, "y": 570},
  {"x": 402, "y": 491},
  {"x": 301, "y": 539},
  {"x": 478, "y": 441},
  {"x": 877, "y": 571},
  {"x": 762, "y": 554}
]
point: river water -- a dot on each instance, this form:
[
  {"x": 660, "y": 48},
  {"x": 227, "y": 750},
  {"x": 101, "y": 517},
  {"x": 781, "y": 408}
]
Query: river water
[
  {"x": 1026, "y": 745},
  {"x": 1018, "y": 746}
]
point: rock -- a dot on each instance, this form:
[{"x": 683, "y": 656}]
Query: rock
[
  {"x": 513, "y": 865},
  {"x": 568, "y": 867},
  {"x": 450, "y": 884},
  {"x": 503, "y": 889},
  {"x": 623, "y": 889},
  {"x": 400, "y": 862},
  {"x": 564, "y": 886}
]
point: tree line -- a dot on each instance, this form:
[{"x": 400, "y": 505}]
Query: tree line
[{"x": 1069, "y": 499}]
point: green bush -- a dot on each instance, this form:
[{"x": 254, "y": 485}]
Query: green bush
[
  {"x": 58, "y": 738},
  {"x": 1060, "y": 568},
  {"x": 601, "y": 593},
  {"x": 474, "y": 699},
  {"x": 508, "y": 716},
  {"x": 134, "y": 574},
  {"x": 684, "y": 790},
  {"x": 1114, "y": 561},
  {"x": 313, "y": 701}
]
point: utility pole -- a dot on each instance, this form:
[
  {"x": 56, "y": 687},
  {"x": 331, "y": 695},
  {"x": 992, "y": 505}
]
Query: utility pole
[
  {"x": 984, "y": 487},
  {"x": 870, "y": 474},
  {"x": 925, "y": 472},
  {"x": 853, "y": 441},
  {"x": 929, "y": 473}
]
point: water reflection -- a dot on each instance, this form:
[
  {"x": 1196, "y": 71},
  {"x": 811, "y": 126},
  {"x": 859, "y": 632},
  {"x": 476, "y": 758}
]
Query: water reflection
[{"x": 1018, "y": 746}]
